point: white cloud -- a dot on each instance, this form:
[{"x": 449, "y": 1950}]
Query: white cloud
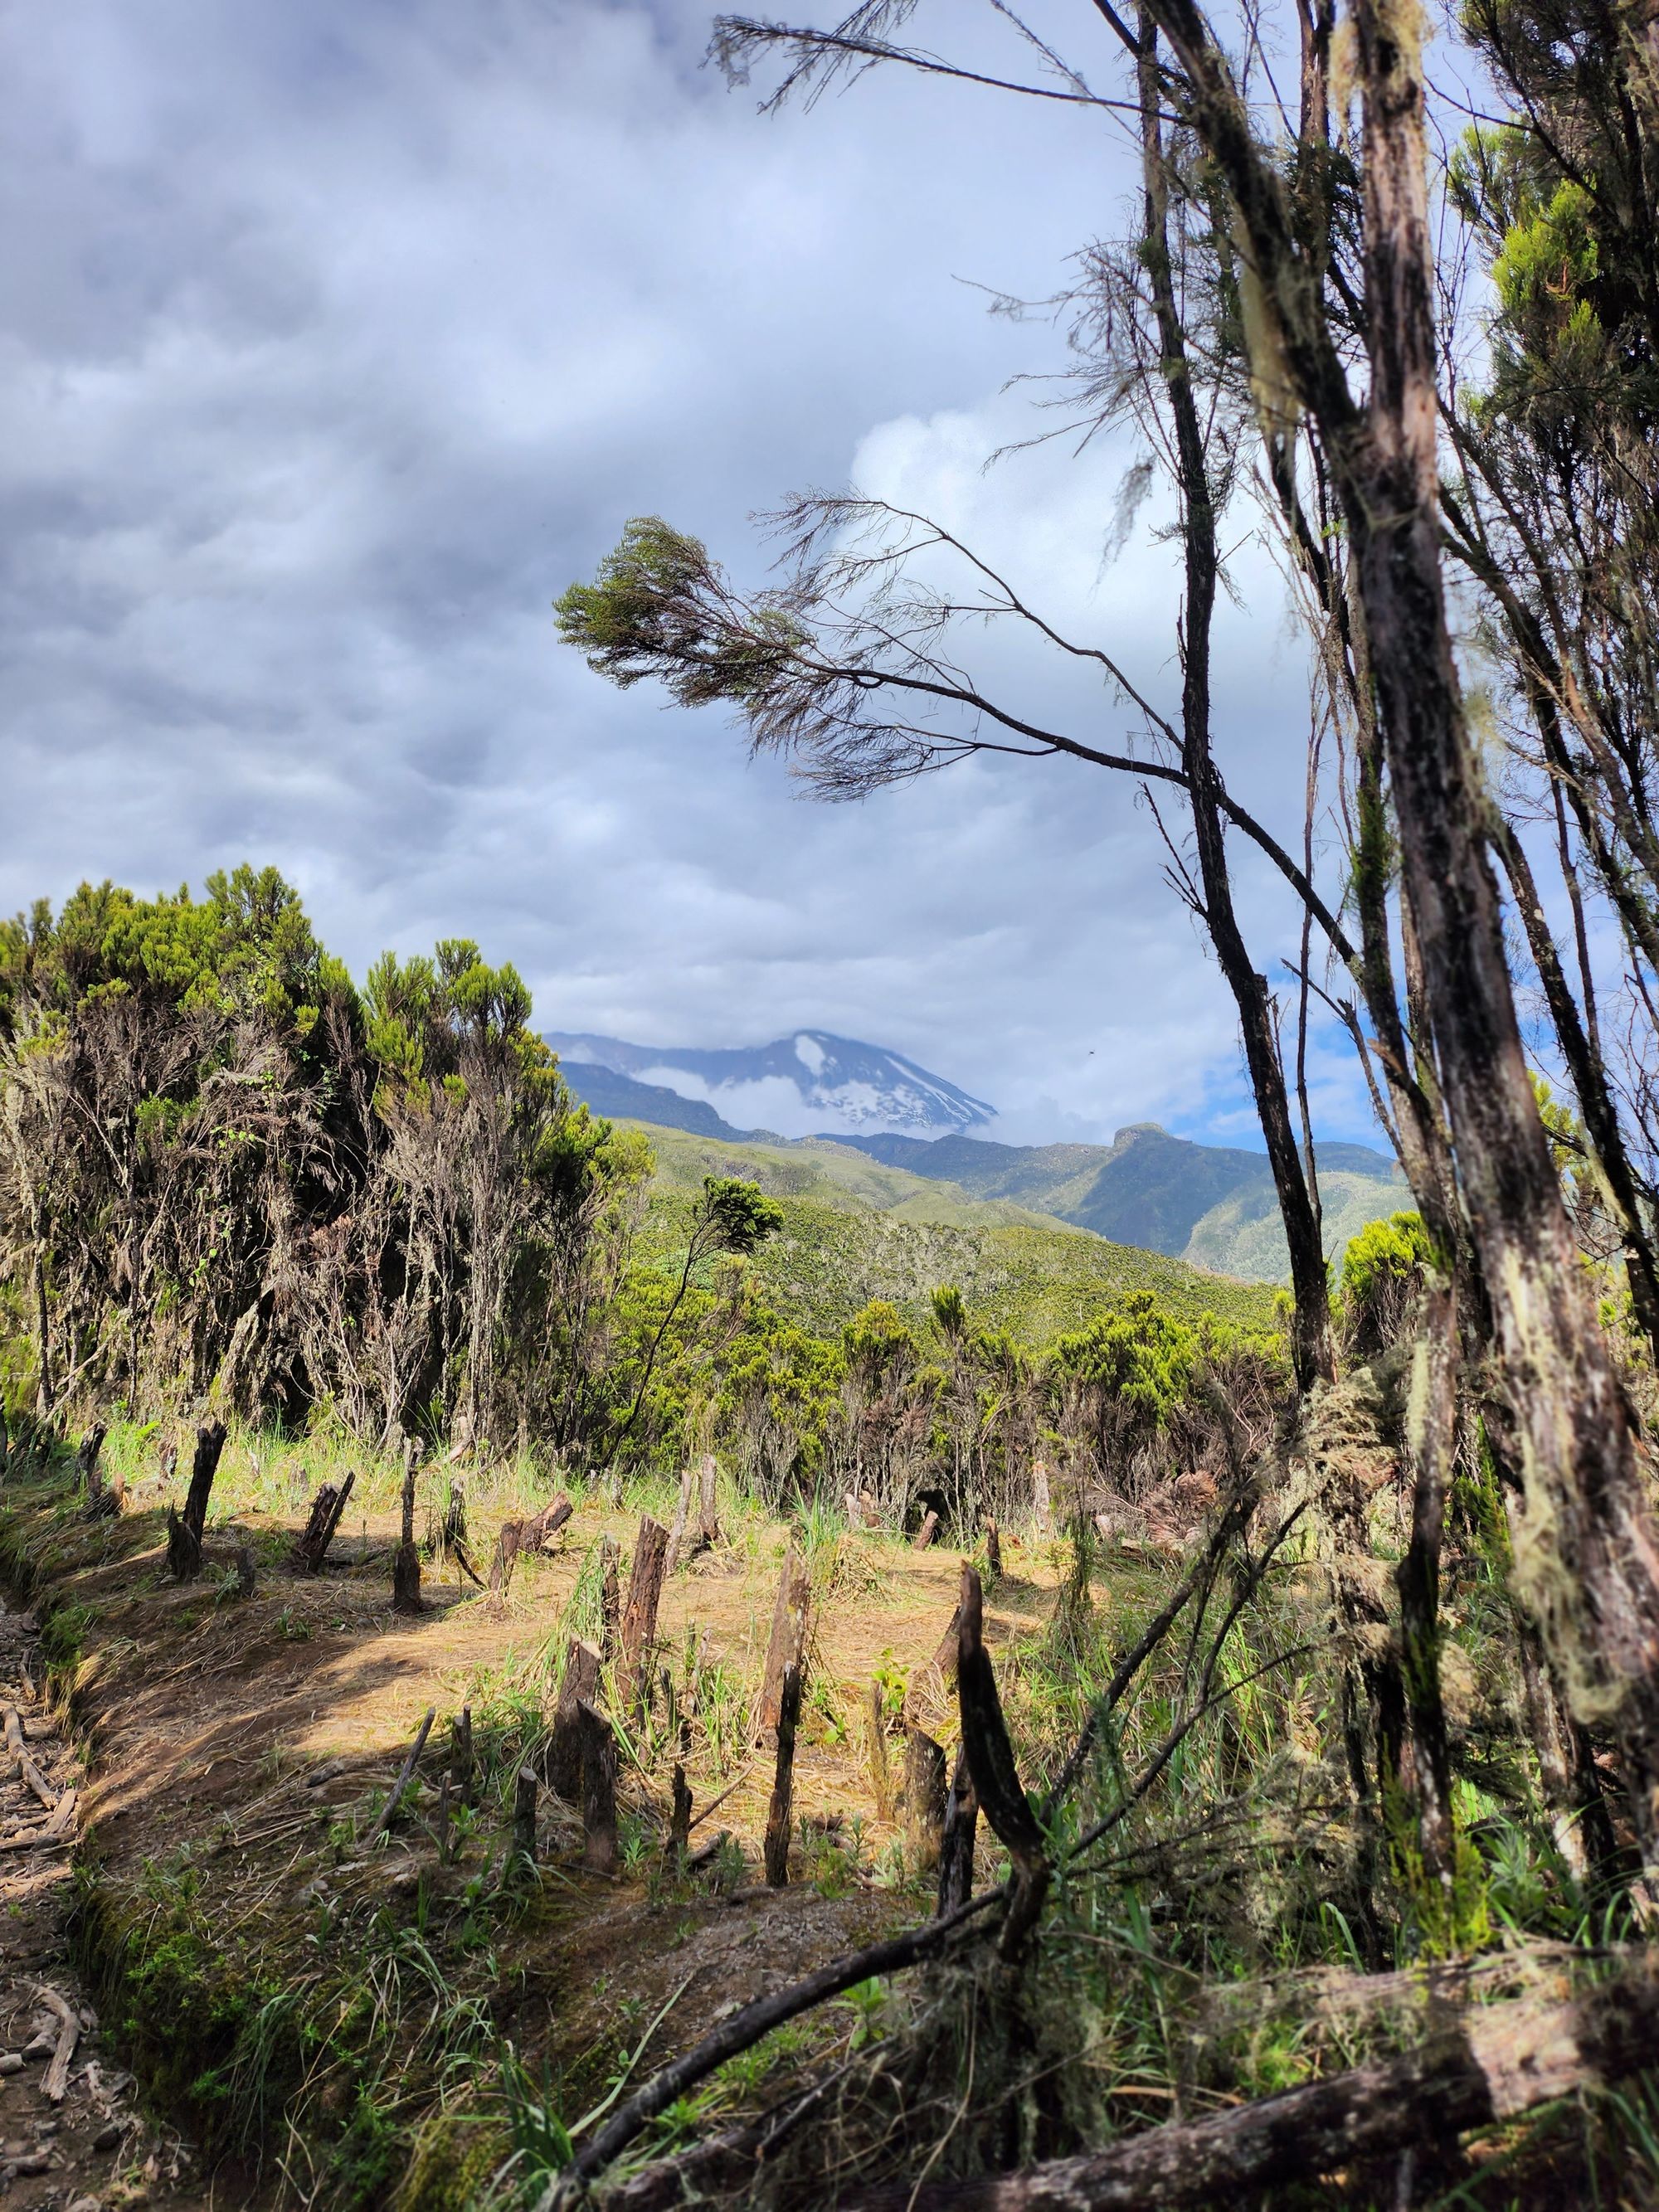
[{"x": 334, "y": 343}]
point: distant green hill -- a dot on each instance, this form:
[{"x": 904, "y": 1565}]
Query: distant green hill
[
  {"x": 1209, "y": 1203},
  {"x": 1212, "y": 1204},
  {"x": 857, "y": 1229}
]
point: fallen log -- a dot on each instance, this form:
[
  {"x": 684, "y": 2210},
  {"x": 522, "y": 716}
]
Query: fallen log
[
  {"x": 740, "y": 2032},
  {"x": 56, "y": 2079},
  {"x": 1493, "y": 2064}
]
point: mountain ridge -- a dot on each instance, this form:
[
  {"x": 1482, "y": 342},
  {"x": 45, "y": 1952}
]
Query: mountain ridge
[{"x": 1212, "y": 1205}]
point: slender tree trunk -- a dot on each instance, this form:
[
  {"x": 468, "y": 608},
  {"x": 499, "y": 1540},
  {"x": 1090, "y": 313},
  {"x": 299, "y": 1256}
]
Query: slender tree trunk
[
  {"x": 1589, "y": 1082},
  {"x": 1588, "y": 1560},
  {"x": 1312, "y": 1349}
]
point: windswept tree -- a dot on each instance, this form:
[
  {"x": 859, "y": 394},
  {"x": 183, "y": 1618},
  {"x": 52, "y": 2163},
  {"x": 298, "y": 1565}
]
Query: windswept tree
[{"x": 1276, "y": 310}]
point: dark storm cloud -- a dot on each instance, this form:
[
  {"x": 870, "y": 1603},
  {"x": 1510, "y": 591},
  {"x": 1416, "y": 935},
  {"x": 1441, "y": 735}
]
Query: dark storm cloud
[{"x": 336, "y": 341}]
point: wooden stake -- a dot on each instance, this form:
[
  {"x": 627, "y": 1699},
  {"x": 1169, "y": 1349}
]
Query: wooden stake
[
  {"x": 99, "y": 1501},
  {"x": 924, "y": 1795},
  {"x": 610, "y": 1599},
  {"x": 524, "y": 1814},
  {"x": 881, "y": 1772},
  {"x": 185, "y": 1530},
  {"x": 394, "y": 1802},
  {"x": 787, "y": 1646},
  {"x": 682, "y": 1510},
  {"x": 406, "y": 1566},
  {"x": 598, "y": 1791},
  {"x": 708, "y": 1518},
  {"x": 460, "y": 1754},
  {"x": 327, "y": 1509},
  {"x": 955, "y": 1856},
  {"x": 924, "y": 1535},
  {"x": 639, "y": 1620},
  {"x": 580, "y": 1685},
  {"x": 996, "y": 1776},
  {"x": 944, "y": 1659},
  {"x": 992, "y": 1552},
  {"x": 783, "y": 1782},
  {"x": 679, "y": 1821}
]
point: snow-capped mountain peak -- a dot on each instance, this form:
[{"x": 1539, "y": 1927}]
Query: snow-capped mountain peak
[{"x": 810, "y": 1083}]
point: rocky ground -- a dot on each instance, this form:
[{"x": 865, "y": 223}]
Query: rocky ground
[{"x": 70, "y": 2138}]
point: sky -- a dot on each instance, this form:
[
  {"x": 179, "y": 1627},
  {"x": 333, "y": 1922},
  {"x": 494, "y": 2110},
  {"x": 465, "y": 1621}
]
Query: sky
[{"x": 334, "y": 343}]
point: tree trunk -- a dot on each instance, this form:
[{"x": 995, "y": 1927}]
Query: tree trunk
[
  {"x": 1312, "y": 1349},
  {"x": 1587, "y": 1559},
  {"x": 1500, "y": 2061}
]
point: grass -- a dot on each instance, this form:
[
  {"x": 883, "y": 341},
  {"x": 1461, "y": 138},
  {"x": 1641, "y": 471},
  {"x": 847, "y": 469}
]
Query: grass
[{"x": 295, "y": 1994}]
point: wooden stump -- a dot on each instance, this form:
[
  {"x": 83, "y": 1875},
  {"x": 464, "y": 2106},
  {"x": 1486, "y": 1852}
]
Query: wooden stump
[
  {"x": 99, "y": 1501},
  {"x": 460, "y": 1754},
  {"x": 996, "y": 1773},
  {"x": 682, "y": 1513},
  {"x": 1041, "y": 1508},
  {"x": 787, "y": 1646},
  {"x": 679, "y": 1821},
  {"x": 579, "y": 1687},
  {"x": 639, "y": 1620},
  {"x": 534, "y": 1534},
  {"x": 708, "y": 1516},
  {"x": 881, "y": 1772},
  {"x": 610, "y": 1598},
  {"x": 924, "y": 1795},
  {"x": 327, "y": 1511},
  {"x": 406, "y": 1566},
  {"x": 944, "y": 1659},
  {"x": 185, "y": 1530},
  {"x": 598, "y": 1791},
  {"x": 394, "y": 1803},
  {"x": 924, "y": 1535},
  {"x": 508, "y": 1542},
  {"x": 524, "y": 1814},
  {"x": 783, "y": 1780},
  {"x": 956, "y": 1857},
  {"x": 992, "y": 1552}
]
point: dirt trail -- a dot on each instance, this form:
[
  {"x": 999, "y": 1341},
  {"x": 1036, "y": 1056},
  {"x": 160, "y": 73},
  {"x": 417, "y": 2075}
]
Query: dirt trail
[{"x": 71, "y": 2139}]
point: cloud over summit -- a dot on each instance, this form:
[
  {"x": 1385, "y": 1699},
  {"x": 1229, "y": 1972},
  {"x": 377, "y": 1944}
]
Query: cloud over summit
[{"x": 335, "y": 342}]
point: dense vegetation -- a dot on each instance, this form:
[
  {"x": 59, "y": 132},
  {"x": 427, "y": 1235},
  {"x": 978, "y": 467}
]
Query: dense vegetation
[
  {"x": 1318, "y": 1739},
  {"x": 235, "y": 1179}
]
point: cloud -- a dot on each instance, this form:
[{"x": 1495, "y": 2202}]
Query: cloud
[{"x": 336, "y": 342}]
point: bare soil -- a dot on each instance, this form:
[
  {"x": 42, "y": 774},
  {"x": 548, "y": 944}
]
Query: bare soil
[
  {"x": 87, "y": 2148},
  {"x": 244, "y": 1737}
]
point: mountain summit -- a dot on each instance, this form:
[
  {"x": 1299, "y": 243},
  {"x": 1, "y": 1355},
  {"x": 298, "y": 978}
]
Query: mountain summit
[{"x": 807, "y": 1084}]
